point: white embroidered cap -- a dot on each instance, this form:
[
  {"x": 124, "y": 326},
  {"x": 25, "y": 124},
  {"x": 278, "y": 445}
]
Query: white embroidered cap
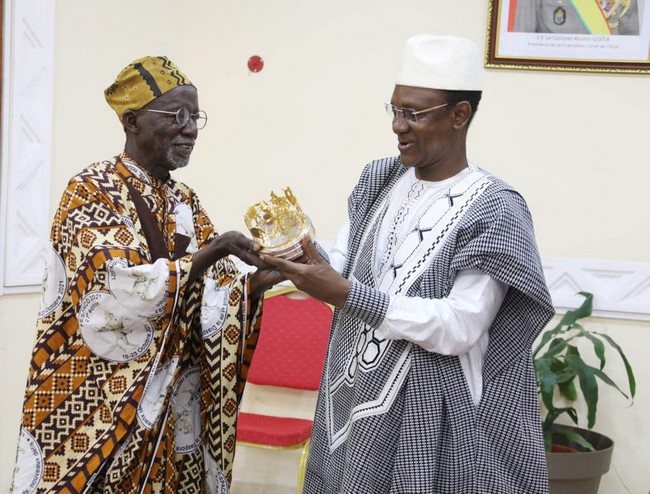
[{"x": 440, "y": 62}]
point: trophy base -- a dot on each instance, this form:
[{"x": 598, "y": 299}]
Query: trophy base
[
  {"x": 288, "y": 252},
  {"x": 291, "y": 250}
]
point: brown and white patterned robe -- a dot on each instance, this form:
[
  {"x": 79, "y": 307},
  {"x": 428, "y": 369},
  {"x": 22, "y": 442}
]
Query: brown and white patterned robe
[{"x": 136, "y": 373}]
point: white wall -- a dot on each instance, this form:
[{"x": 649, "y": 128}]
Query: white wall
[{"x": 571, "y": 143}]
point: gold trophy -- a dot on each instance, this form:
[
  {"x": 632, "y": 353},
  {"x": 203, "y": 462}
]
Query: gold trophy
[{"x": 279, "y": 225}]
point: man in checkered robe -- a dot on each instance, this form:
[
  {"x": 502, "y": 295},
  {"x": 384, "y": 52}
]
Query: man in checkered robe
[
  {"x": 428, "y": 384},
  {"x": 146, "y": 328}
]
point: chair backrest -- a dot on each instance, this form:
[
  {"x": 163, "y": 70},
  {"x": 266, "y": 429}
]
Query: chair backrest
[{"x": 293, "y": 340}]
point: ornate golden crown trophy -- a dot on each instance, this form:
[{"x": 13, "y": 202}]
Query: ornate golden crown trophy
[{"x": 279, "y": 225}]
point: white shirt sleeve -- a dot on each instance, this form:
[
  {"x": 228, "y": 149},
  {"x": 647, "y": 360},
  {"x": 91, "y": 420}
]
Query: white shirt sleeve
[
  {"x": 339, "y": 251},
  {"x": 449, "y": 326}
]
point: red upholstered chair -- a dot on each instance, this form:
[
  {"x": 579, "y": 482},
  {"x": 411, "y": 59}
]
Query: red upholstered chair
[{"x": 290, "y": 354}]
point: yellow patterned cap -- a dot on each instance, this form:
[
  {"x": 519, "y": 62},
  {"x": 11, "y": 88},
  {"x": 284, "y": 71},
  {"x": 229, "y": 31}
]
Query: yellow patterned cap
[{"x": 141, "y": 82}]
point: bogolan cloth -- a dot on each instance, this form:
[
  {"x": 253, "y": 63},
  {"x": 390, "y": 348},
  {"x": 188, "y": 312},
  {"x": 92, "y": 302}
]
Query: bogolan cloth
[
  {"x": 136, "y": 372},
  {"x": 392, "y": 417}
]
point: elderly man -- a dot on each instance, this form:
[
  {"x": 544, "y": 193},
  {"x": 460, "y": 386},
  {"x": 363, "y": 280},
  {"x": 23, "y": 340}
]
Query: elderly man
[
  {"x": 428, "y": 384},
  {"x": 146, "y": 328}
]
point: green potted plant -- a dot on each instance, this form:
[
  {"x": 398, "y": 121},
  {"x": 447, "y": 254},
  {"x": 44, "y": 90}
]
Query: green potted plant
[{"x": 563, "y": 377}]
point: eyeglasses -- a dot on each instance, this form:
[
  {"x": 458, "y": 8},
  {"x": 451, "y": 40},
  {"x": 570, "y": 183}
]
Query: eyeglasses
[
  {"x": 183, "y": 116},
  {"x": 409, "y": 114}
]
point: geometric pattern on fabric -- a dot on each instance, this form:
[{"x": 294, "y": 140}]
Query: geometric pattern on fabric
[
  {"x": 86, "y": 422},
  {"x": 433, "y": 438},
  {"x": 192, "y": 476},
  {"x": 358, "y": 354}
]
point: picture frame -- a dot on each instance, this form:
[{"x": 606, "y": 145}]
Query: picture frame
[{"x": 569, "y": 35}]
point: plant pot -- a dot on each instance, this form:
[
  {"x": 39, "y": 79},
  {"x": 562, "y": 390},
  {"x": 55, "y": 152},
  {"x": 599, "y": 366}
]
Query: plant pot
[{"x": 580, "y": 471}]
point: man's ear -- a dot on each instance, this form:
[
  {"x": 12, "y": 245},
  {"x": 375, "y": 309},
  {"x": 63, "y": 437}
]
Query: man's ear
[
  {"x": 462, "y": 114},
  {"x": 130, "y": 122}
]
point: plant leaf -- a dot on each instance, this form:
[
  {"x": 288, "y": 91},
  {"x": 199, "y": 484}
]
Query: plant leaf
[
  {"x": 545, "y": 381},
  {"x": 547, "y": 336},
  {"x": 567, "y": 322},
  {"x": 599, "y": 346},
  {"x": 568, "y": 390},
  {"x": 558, "y": 362},
  {"x": 562, "y": 371},
  {"x": 628, "y": 368},
  {"x": 606, "y": 379},
  {"x": 552, "y": 416},
  {"x": 573, "y": 315},
  {"x": 574, "y": 437},
  {"x": 588, "y": 384},
  {"x": 556, "y": 347}
]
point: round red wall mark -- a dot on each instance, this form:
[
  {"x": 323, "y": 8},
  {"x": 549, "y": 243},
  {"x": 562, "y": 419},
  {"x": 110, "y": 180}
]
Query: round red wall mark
[{"x": 255, "y": 63}]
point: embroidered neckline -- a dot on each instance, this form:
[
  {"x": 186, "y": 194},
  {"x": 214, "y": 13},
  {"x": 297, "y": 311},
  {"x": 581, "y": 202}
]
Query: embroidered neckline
[{"x": 416, "y": 191}]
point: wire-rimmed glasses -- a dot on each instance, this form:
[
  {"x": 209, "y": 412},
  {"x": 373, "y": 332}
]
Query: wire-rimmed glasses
[
  {"x": 183, "y": 116},
  {"x": 409, "y": 114}
]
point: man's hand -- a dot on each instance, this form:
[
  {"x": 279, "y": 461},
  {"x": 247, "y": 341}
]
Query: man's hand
[
  {"x": 263, "y": 279},
  {"x": 232, "y": 242},
  {"x": 237, "y": 244},
  {"x": 314, "y": 276}
]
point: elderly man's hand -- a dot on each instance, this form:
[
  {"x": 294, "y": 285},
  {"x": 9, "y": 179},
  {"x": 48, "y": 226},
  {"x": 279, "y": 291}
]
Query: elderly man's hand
[
  {"x": 263, "y": 279},
  {"x": 237, "y": 244},
  {"x": 228, "y": 243},
  {"x": 314, "y": 276}
]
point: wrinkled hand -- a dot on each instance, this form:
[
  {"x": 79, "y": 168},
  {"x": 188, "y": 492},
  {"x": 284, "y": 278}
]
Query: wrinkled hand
[
  {"x": 314, "y": 276},
  {"x": 232, "y": 242},
  {"x": 237, "y": 244},
  {"x": 263, "y": 279}
]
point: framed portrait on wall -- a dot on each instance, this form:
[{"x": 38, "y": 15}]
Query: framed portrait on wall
[{"x": 569, "y": 35}]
